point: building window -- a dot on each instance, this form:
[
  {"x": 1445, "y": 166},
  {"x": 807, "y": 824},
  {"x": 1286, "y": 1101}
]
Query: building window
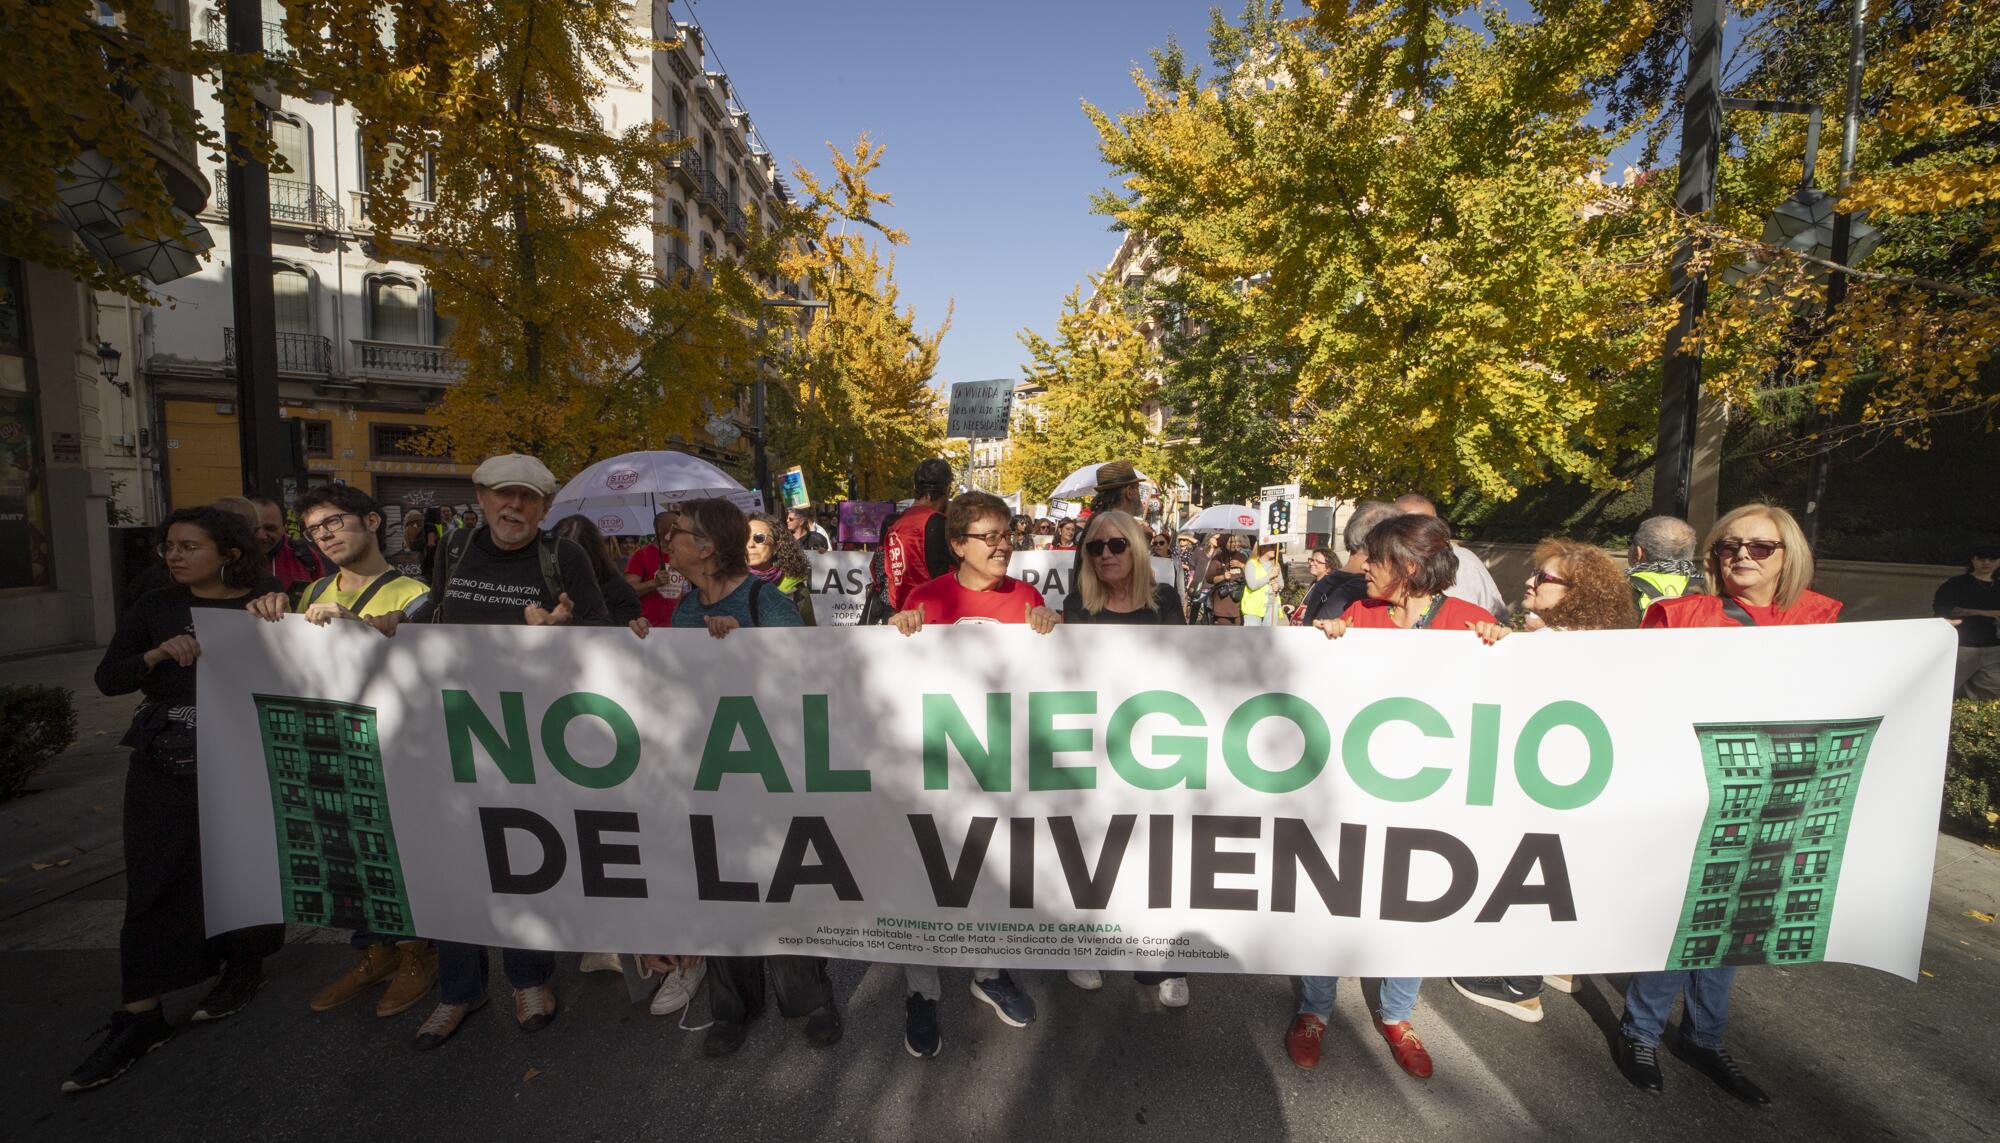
[
  {"x": 1755, "y": 902},
  {"x": 1736, "y": 754},
  {"x": 298, "y": 832},
  {"x": 1770, "y": 833},
  {"x": 1738, "y": 800},
  {"x": 1811, "y": 863},
  {"x": 1718, "y": 874},
  {"x": 1833, "y": 786},
  {"x": 1787, "y": 793},
  {"x": 1818, "y": 826},
  {"x": 1794, "y": 751},
  {"x": 380, "y": 880},
  {"x": 334, "y": 836},
  {"x": 1748, "y": 942},
  {"x": 319, "y": 438},
  {"x": 293, "y": 142},
  {"x": 292, "y": 794},
  {"x": 383, "y": 171},
  {"x": 308, "y": 904},
  {"x": 305, "y": 867},
  {"x": 371, "y": 843},
  {"x": 388, "y": 916},
  {"x": 1797, "y": 941},
  {"x": 319, "y": 725},
  {"x": 1804, "y": 902},
  {"x": 1699, "y": 948},
  {"x": 366, "y": 807},
  {"x": 1764, "y": 868},
  {"x": 1726, "y": 835},
  {"x": 282, "y": 722},
  {"x": 1710, "y": 912},
  {"x": 397, "y": 442},
  {"x": 1846, "y": 748},
  {"x": 291, "y": 300},
  {"x": 361, "y": 772},
  {"x": 329, "y": 801},
  {"x": 395, "y": 310},
  {"x": 13, "y": 319},
  {"x": 287, "y": 758}
]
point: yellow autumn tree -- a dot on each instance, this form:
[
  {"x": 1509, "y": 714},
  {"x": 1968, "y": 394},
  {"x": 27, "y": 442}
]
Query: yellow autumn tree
[
  {"x": 1098, "y": 379},
  {"x": 853, "y": 404}
]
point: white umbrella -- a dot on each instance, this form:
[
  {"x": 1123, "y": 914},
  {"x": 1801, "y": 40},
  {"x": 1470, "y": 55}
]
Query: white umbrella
[
  {"x": 1224, "y": 518},
  {"x": 623, "y": 494},
  {"x": 1080, "y": 484}
]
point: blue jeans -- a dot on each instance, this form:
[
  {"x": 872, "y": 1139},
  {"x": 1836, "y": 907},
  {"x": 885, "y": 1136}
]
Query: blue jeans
[
  {"x": 462, "y": 970},
  {"x": 1649, "y": 1000},
  {"x": 1399, "y": 996}
]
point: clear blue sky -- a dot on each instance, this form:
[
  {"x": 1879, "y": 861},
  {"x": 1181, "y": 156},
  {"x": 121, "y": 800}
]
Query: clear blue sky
[{"x": 990, "y": 158}]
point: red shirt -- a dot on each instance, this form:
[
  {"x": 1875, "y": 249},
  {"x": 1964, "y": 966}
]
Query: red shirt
[
  {"x": 658, "y": 606},
  {"x": 1706, "y": 611},
  {"x": 903, "y": 566},
  {"x": 945, "y": 600},
  {"x": 1452, "y": 615}
]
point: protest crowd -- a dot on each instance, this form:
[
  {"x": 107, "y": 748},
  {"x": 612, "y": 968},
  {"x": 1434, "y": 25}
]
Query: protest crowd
[{"x": 942, "y": 558}]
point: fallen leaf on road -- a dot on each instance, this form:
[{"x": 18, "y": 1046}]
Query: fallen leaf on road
[
  {"x": 1926, "y": 972},
  {"x": 97, "y": 809},
  {"x": 1984, "y": 918},
  {"x": 38, "y": 866},
  {"x": 531, "y": 1074}
]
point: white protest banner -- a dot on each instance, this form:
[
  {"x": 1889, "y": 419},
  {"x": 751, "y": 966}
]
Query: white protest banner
[
  {"x": 979, "y": 409},
  {"x": 840, "y": 580},
  {"x": 1154, "y": 798}
]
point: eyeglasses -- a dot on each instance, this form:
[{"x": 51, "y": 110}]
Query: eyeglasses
[
  {"x": 990, "y": 539},
  {"x": 1117, "y": 545},
  {"x": 185, "y": 547},
  {"x": 1759, "y": 550},
  {"x": 1542, "y": 577},
  {"x": 760, "y": 537},
  {"x": 329, "y": 525}
]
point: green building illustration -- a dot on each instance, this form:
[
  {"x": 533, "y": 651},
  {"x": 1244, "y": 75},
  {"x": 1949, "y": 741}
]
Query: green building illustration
[
  {"x": 1780, "y": 798},
  {"x": 337, "y": 861}
]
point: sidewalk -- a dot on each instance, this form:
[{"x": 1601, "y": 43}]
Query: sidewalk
[{"x": 70, "y": 812}]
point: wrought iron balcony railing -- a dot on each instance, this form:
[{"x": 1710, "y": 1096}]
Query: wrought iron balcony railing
[
  {"x": 292, "y": 200},
  {"x": 297, "y": 352}
]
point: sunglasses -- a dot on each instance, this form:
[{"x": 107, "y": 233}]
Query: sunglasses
[
  {"x": 1542, "y": 577},
  {"x": 1759, "y": 550},
  {"x": 1117, "y": 545},
  {"x": 760, "y": 537}
]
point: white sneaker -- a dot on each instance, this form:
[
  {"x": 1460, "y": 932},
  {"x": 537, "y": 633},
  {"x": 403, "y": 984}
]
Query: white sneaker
[
  {"x": 1173, "y": 992},
  {"x": 1088, "y": 979},
  {"x": 1563, "y": 983},
  {"x": 677, "y": 989},
  {"x": 599, "y": 962}
]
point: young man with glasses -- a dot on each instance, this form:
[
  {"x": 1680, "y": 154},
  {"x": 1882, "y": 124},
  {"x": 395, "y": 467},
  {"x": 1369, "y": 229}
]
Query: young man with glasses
[{"x": 346, "y": 523}]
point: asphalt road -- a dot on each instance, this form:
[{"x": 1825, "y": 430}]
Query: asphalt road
[{"x": 1847, "y": 1053}]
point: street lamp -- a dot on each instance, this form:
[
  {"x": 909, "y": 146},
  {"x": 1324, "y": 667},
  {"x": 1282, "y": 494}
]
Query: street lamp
[
  {"x": 763, "y": 464},
  {"x": 107, "y": 367}
]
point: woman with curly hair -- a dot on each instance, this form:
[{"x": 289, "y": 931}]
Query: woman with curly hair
[
  {"x": 1576, "y": 587},
  {"x": 775, "y": 558}
]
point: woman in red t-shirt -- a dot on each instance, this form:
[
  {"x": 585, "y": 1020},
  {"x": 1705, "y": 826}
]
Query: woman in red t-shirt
[
  {"x": 976, "y": 590},
  {"x": 1409, "y": 566},
  {"x": 1759, "y": 565}
]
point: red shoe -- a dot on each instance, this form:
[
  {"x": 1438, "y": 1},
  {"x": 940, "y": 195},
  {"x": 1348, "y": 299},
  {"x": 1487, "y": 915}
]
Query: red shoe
[
  {"x": 1302, "y": 1042},
  {"x": 1408, "y": 1050}
]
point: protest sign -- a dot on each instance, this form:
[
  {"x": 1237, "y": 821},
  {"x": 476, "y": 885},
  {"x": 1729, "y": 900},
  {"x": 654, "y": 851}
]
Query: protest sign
[
  {"x": 792, "y": 488},
  {"x": 1111, "y": 797},
  {"x": 979, "y": 409},
  {"x": 840, "y": 580},
  {"x": 861, "y": 520}
]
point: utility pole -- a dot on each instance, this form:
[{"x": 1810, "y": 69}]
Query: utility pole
[
  {"x": 1694, "y": 194},
  {"x": 264, "y": 445},
  {"x": 1843, "y": 227}
]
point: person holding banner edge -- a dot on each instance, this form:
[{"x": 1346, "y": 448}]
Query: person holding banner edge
[
  {"x": 1759, "y": 567},
  {"x": 212, "y": 558},
  {"x": 915, "y": 548},
  {"x": 1410, "y": 563},
  {"x": 711, "y": 547},
  {"x": 978, "y": 590},
  {"x": 1116, "y": 586}
]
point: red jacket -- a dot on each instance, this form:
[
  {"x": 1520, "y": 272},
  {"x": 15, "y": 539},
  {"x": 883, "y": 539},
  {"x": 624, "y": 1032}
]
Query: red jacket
[
  {"x": 1706, "y": 611},
  {"x": 903, "y": 566}
]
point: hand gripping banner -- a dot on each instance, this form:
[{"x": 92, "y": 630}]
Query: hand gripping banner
[{"x": 1389, "y": 803}]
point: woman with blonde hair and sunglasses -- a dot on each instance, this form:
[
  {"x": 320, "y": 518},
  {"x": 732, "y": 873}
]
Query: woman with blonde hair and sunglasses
[{"x": 1759, "y": 568}]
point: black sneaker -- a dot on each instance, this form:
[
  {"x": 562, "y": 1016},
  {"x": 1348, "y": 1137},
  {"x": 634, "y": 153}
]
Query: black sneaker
[
  {"x": 823, "y": 1026},
  {"x": 1500, "y": 993},
  {"x": 230, "y": 993},
  {"x": 724, "y": 1037},
  {"x": 128, "y": 1036},
  {"x": 1641, "y": 1064},
  {"x": 921, "y": 1037},
  {"x": 1015, "y": 1008},
  {"x": 1717, "y": 1065}
]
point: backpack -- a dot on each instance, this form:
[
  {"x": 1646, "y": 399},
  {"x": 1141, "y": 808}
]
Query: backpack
[
  {"x": 319, "y": 587},
  {"x": 453, "y": 551}
]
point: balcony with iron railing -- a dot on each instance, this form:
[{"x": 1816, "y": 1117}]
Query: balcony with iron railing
[
  {"x": 420, "y": 212},
  {"x": 714, "y": 200},
  {"x": 737, "y": 225},
  {"x": 293, "y": 201},
  {"x": 307, "y": 353},
  {"x": 686, "y": 163},
  {"x": 275, "y": 44},
  {"x": 407, "y": 362}
]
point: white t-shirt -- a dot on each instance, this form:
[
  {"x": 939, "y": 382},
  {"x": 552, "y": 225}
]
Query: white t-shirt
[{"x": 1474, "y": 584}]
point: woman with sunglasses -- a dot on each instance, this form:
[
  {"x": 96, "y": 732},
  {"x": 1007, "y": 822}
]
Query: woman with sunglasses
[
  {"x": 775, "y": 558},
  {"x": 213, "y": 560},
  {"x": 1575, "y": 587},
  {"x": 1410, "y": 563},
  {"x": 1116, "y": 585},
  {"x": 976, "y": 590},
  {"x": 1758, "y": 566}
]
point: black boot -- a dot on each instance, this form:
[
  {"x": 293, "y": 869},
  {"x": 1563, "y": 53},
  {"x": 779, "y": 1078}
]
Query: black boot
[
  {"x": 232, "y": 992},
  {"x": 823, "y": 1026},
  {"x": 1717, "y": 1065},
  {"x": 1641, "y": 1064},
  {"x": 724, "y": 1037}
]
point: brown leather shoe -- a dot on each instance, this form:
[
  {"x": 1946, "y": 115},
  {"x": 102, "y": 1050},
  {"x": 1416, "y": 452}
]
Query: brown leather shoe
[
  {"x": 1408, "y": 1050},
  {"x": 1302, "y": 1042},
  {"x": 534, "y": 1007},
  {"x": 416, "y": 971},
  {"x": 372, "y": 965},
  {"x": 443, "y": 1023}
]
